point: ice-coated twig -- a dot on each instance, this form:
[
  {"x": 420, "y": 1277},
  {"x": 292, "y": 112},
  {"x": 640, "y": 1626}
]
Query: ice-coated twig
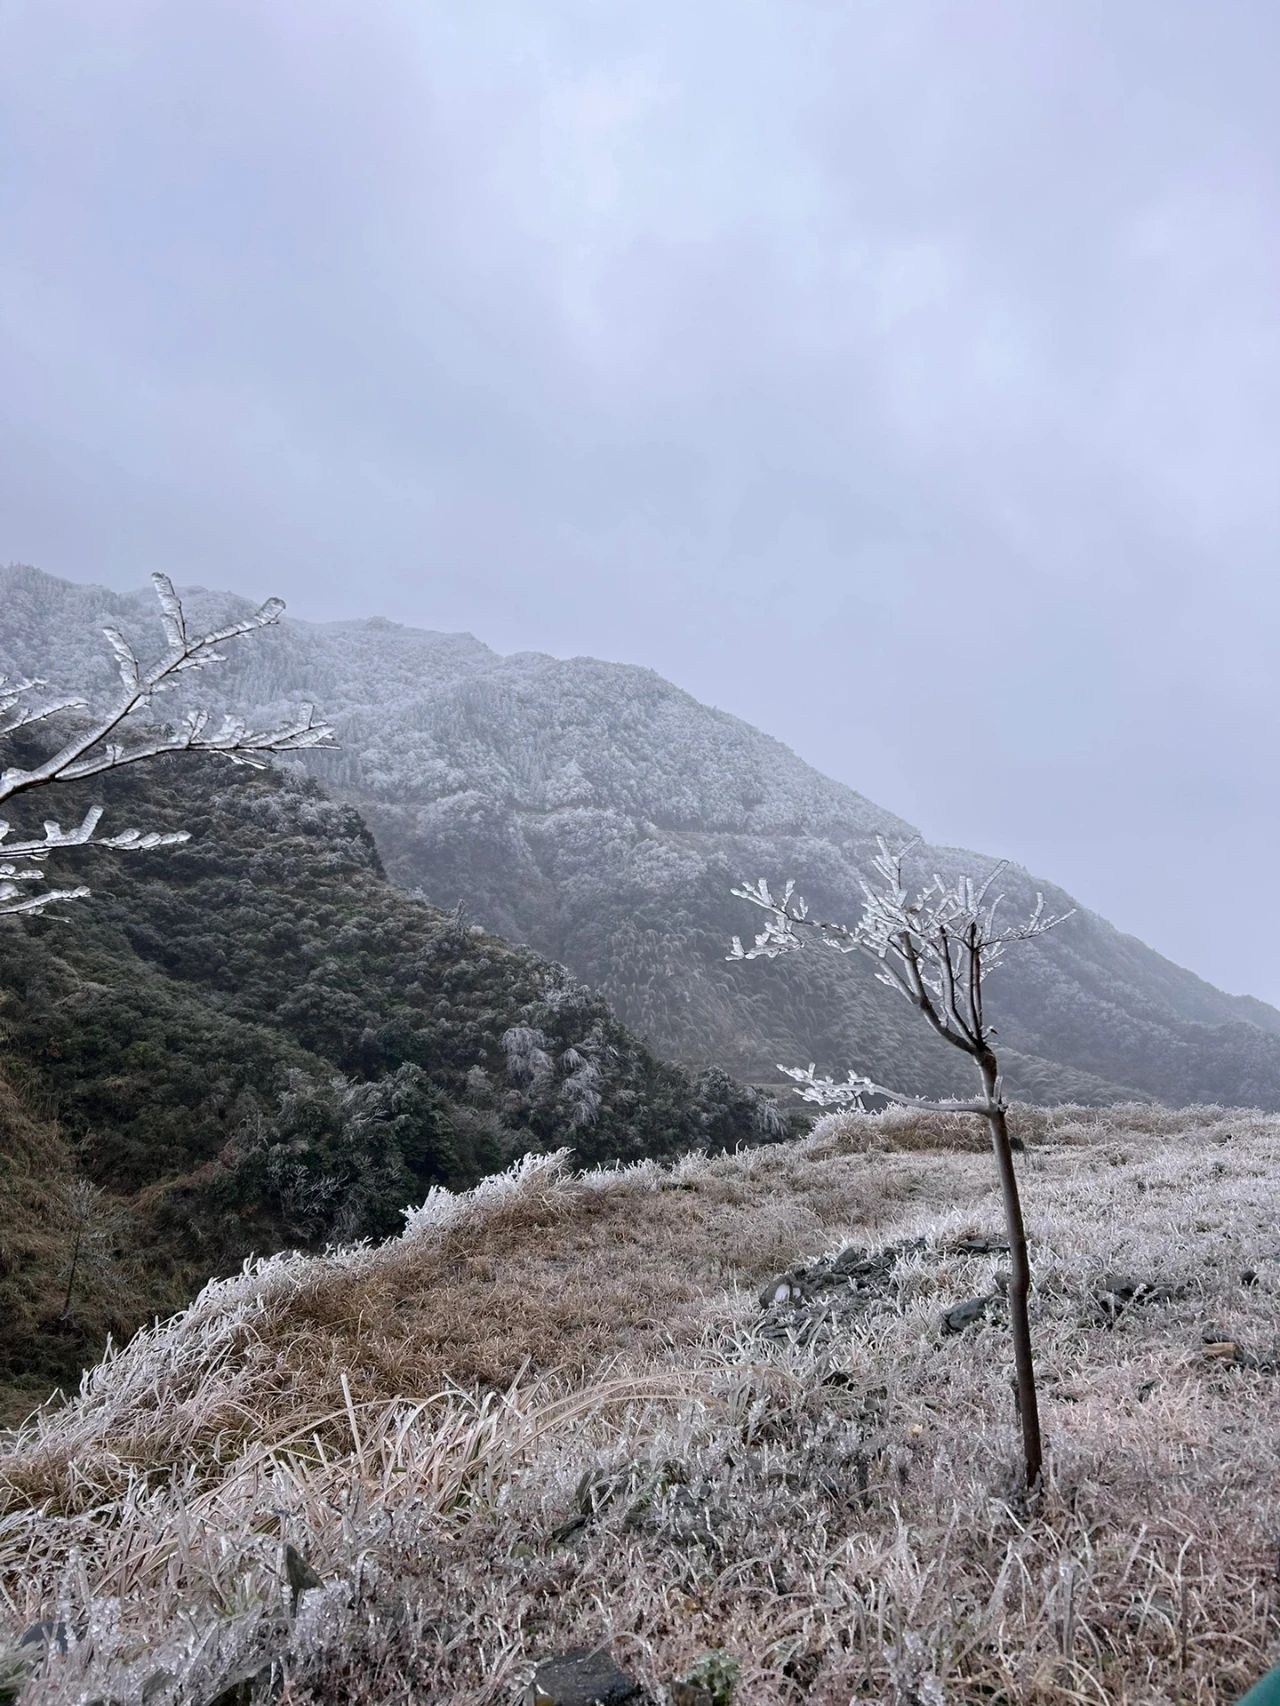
[{"x": 110, "y": 742}]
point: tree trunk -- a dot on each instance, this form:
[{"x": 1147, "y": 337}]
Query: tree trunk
[
  {"x": 1019, "y": 1274},
  {"x": 71, "y": 1276}
]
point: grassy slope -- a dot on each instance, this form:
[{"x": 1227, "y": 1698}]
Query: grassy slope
[
  {"x": 176, "y": 1042},
  {"x": 418, "y": 1417}
]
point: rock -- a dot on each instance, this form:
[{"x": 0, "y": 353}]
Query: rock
[
  {"x": 787, "y": 1288},
  {"x": 50, "y": 1634},
  {"x": 1116, "y": 1292},
  {"x": 854, "y": 1262},
  {"x": 981, "y": 1245},
  {"x": 966, "y": 1314},
  {"x": 581, "y": 1677}
]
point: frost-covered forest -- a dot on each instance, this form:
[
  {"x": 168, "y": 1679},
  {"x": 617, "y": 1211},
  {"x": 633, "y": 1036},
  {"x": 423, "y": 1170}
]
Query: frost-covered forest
[
  {"x": 600, "y": 815},
  {"x": 254, "y": 1041}
]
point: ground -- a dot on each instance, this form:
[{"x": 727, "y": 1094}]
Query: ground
[{"x": 556, "y": 1414}]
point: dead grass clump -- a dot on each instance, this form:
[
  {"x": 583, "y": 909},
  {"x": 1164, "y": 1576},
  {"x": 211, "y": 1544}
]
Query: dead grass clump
[
  {"x": 896, "y": 1128},
  {"x": 534, "y": 1271},
  {"x": 843, "y": 1519},
  {"x": 909, "y": 1130}
]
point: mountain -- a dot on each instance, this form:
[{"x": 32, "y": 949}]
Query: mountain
[
  {"x": 599, "y": 814},
  {"x": 254, "y": 1041}
]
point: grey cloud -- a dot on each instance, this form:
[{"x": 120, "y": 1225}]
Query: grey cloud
[{"x": 900, "y": 376}]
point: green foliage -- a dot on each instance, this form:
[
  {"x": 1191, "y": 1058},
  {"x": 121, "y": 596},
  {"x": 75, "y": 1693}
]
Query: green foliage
[{"x": 254, "y": 1041}]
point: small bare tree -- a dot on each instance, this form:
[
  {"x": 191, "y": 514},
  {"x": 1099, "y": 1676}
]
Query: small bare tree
[
  {"x": 936, "y": 948},
  {"x": 119, "y": 738},
  {"x": 94, "y": 1223}
]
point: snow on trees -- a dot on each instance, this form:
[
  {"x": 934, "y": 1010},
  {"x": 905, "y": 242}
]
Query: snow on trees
[
  {"x": 119, "y": 737},
  {"x": 935, "y": 947}
]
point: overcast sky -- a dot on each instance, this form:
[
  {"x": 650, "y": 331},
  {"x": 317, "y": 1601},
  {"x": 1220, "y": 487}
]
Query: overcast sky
[{"x": 903, "y": 377}]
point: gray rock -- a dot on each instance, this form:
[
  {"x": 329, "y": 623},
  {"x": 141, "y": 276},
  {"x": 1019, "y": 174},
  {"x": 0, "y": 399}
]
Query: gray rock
[
  {"x": 787, "y": 1288},
  {"x": 1115, "y": 1293},
  {"x": 581, "y": 1677},
  {"x": 968, "y": 1314},
  {"x": 855, "y": 1263}
]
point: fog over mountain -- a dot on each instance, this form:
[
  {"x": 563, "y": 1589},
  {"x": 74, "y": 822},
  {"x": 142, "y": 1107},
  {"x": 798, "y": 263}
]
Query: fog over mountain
[
  {"x": 822, "y": 356},
  {"x": 599, "y": 814}
]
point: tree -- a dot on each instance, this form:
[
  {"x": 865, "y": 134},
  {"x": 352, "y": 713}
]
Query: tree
[
  {"x": 935, "y": 947},
  {"x": 95, "y": 1224},
  {"x": 115, "y": 739}
]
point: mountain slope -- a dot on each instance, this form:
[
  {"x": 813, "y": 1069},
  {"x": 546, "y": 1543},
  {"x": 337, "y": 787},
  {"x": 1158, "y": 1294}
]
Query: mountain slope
[
  {"x": 600, "y": 814},
  {"x": 255, "y": 1041}
]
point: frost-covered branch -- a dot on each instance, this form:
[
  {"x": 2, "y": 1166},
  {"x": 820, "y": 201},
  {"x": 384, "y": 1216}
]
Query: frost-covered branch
[
  {"x": 935, "y": 947},
  {"x": 851, "y": 1092},
  {"x": 112, "y": 741}
]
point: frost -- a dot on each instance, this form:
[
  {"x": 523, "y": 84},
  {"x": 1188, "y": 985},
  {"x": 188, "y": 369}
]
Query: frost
[
  {"x": 934, "y": 946},
  {"x": 105, "y": 744}
]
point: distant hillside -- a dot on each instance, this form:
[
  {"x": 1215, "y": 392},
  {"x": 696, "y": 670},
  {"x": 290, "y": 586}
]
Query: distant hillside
[
  {"x": 599, "y": 814},
  {"x": 254, "y": 1041}
]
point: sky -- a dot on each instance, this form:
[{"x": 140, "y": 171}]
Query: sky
[{"x": 900, "y": 375}]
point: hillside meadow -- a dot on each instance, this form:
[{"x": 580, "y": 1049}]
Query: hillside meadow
[{"x": 555, "y": 1412}]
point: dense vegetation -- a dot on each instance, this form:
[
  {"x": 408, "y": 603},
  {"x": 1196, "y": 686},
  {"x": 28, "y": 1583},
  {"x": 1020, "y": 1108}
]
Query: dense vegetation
[
  {"x": 599, "y": 814},
  {"x": 255, "y": 1041}
]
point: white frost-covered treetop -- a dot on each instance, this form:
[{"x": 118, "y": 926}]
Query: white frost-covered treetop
[
  {"x": 935, "y": 947},
  {"x": 118, "y": 737}
]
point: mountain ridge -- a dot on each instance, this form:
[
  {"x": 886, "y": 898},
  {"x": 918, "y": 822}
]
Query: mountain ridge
[{"x": 600, "y": 814}]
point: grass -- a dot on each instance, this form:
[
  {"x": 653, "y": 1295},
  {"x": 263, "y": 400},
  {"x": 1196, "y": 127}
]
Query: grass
[{"x": 543, "y": 1418}]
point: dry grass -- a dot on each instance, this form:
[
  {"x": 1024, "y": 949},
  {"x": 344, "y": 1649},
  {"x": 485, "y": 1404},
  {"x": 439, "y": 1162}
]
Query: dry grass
[{"x": 418, "y": 1418}]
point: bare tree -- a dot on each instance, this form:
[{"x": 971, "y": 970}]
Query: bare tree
[
  {"x": 120, "y": 737},
  {"x": 936, "y": 948},
  {"x": 95, "y": 1223}
]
